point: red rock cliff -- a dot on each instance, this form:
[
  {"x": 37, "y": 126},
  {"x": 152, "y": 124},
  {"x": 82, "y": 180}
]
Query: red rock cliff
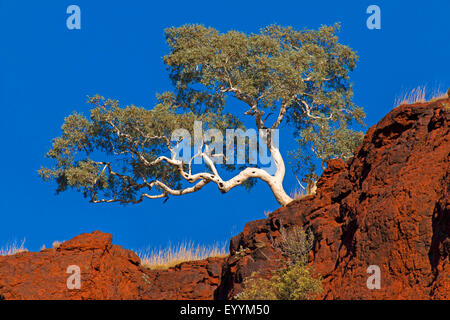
[{"x": 388, "y": 206}]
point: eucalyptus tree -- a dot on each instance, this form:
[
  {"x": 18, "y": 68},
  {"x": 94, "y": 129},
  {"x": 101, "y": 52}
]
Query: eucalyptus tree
[{"x": 277, "y": 77}]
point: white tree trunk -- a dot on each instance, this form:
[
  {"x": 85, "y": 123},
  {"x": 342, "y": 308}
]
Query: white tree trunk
[{"x": 275, "y": 182}]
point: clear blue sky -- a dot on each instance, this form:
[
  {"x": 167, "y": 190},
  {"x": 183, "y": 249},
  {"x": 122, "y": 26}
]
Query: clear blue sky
[{"x": 46, "y": 71}]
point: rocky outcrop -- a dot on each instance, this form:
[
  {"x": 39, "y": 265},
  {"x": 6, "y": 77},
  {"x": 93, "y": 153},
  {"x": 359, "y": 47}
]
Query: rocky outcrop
[
  {"x": 388, "y": 206},
  {"x": 194, "y": 280},
  {"x": 107, "y": 272}
]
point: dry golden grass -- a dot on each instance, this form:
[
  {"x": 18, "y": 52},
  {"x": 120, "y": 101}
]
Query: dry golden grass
[
  {"x": 13, "y": 248},
  {"x": 298, "y": 194},
  {"x": 438, "y": 97},
  {"x": 56, "y": 244},
  {"x": 162, "y": 259},
  {"x": 413, "y": 96},
  {"x": 420, "y": 94}
]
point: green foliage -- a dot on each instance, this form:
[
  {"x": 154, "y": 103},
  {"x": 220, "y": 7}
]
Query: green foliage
[
  {"x": 296, "y": 245},
  {"x": 125, "y": 138},
  {"x": 257, "y": 288},
  {"x": 275, "y": 66},
  {"x": 323, "y": 142},
  {"x": 295, "y": 282},
  {"x": 283, "y": 75},
  {"x": 307, "y": 72}
]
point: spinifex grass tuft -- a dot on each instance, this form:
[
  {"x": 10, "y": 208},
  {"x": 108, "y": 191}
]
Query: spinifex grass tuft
[
  {"x": 13, "y": 248},
  {"x": 159, "y": 259}
]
